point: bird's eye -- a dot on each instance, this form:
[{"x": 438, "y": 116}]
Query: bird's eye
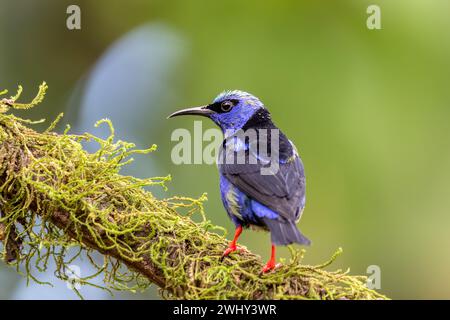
[{"x": 226, "y": 106}]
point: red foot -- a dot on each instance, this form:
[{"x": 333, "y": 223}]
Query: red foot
[
  {"x": 232, "y": 247},
  {"x": 270, "y": 265},
  {"x": 229, "y": 250}
]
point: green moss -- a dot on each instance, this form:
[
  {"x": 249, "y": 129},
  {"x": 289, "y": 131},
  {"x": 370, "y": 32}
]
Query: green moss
[{"x": 55, "y": 197}]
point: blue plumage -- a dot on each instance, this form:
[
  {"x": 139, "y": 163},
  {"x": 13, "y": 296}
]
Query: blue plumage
[
  {"x": 253, "y": 195},
  {"x": 241, "y": 209}
]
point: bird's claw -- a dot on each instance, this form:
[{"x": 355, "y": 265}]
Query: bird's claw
[
  {"x": 270, "y": 266},
  {"x": 229, "y": 250}
]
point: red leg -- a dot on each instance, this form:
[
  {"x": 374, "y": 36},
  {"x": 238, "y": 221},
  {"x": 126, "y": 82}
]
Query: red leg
[
  {"x": 270, "y": 265},
  {"x": 232, "y": 247}
]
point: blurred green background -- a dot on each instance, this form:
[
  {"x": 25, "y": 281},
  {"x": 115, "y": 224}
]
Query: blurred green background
[{"x": 368, "y": 110}]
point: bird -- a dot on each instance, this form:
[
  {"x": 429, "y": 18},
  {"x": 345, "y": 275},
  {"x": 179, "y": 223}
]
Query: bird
[{"x": 271, "y": 201}]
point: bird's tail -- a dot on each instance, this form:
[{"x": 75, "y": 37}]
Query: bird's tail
[{"x": 285, "y": 232}]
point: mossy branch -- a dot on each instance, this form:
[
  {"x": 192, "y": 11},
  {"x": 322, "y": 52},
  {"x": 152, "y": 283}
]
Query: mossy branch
[{"x": 54, "y": 197}]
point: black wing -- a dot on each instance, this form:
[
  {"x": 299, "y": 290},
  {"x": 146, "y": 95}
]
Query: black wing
[{"x": 283, "y": 192}]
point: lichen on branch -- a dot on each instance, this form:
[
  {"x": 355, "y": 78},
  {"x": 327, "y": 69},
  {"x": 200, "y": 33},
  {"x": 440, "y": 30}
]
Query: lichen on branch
[{"x": 55, "y": 196}]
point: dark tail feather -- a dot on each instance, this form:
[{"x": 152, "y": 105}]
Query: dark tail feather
[{"x": 284, "y": 233}]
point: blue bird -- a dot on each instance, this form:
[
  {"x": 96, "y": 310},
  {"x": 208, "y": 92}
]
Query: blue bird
[{"x": 272, "y": 200}]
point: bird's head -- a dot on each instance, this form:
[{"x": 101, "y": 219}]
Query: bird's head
[{"x": 230, "y": 110}]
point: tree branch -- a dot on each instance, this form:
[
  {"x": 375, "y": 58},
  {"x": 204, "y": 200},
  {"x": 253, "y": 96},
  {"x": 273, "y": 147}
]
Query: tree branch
[{"x": 54, "y": 195}]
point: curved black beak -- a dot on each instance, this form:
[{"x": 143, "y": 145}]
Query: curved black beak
[{"x": 198, "y": 111}]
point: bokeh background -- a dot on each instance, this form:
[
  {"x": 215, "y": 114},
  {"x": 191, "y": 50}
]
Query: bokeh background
[{"x": 368, "y": 109}]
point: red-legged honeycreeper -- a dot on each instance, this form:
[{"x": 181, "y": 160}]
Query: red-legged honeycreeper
[{"x": 273, "y": 199}]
